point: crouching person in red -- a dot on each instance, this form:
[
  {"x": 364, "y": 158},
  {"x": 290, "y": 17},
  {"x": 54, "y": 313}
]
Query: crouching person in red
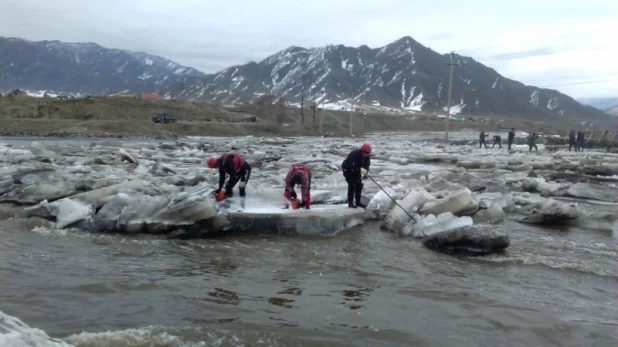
[
  {"x": 299, "y": 174},
  {"x": 236, "y": 167}
]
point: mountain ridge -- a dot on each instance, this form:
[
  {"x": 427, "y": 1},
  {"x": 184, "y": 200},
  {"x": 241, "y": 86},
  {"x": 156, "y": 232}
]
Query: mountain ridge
[
  {"x": 85, "y": 68},
  {"x": 410, "y": 77},
  {"x": 403, "y": 75}
]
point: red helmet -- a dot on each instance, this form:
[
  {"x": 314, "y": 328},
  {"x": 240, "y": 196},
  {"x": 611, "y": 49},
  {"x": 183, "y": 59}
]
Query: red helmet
[
  {"x": 366, "y": 148},
  {"x": 212, "y": 162}
]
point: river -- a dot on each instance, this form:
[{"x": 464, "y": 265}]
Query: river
[{"x": 363, "y": 287}]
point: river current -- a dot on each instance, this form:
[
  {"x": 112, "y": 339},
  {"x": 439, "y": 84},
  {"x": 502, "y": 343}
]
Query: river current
[{"x": 363, "y": 287}]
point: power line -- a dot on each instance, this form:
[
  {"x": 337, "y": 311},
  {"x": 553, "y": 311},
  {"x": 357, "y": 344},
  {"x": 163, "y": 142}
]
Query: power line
[
  {"x": 528, "y": 41},
  {"x": 525, "y": 54},
  {"x": 576, "y": 83}
]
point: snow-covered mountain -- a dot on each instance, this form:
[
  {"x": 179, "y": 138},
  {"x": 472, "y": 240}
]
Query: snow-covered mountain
[
  {"x": 403, "y": 74},
  {"x": 84, "y": 68}
]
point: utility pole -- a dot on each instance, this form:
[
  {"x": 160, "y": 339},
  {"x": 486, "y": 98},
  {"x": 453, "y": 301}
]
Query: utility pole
[
  {"x": 322, "y": 118},
  {"x": 314, "y": 106},
  {"x": 302, "y": 105},
  {"x": 351, "y": 113},
  {"x": 452, "y": 63},
  {"x": 4, "y": 88}
]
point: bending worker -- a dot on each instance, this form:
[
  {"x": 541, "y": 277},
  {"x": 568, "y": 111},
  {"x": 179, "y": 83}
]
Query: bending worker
[
  {"x": 355, "y": 168},
  {"x": 236, "y": 167},
  {"x": 299, "y": 174}
]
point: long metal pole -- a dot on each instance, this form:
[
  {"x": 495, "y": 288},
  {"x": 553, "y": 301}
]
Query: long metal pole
[{"x": 395, "y": 201}]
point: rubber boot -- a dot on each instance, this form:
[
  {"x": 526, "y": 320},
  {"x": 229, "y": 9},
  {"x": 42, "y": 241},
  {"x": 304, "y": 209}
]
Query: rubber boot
[
  {"x": 359, "y": 190},
  {"x": 351, "y": 196}
]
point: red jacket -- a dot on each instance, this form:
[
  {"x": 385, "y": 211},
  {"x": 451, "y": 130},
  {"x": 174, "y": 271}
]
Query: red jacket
[
  {"x": 238, "y": 162},
  {"x": 305, "y": 183}
]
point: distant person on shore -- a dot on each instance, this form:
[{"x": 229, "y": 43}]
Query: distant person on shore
[
  {"x": 482, "y": 137},
  {"x": 581, "y": 141},
  {"x": 237, "y": 168},
  {"x": 572, "y": 142},
  {"x": 511, "y": 138},
  {"x": 299, "y": 174},
  {"x": 532, "y": 142},
  {"x": 498, "y": 140}
]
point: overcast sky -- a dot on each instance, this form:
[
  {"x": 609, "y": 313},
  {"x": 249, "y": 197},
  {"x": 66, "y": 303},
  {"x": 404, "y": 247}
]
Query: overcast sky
[{"x": 540, "y": 42}]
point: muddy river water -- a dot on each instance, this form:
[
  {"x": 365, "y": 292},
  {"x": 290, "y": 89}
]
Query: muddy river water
[{"x": 363, "y": 287}]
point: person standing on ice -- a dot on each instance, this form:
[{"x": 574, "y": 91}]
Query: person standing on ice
[
  {"x": 581, "y": 141},
  {"x": 482, "y": 137},
  {"x": 532, "y": 142},
  {"x": 572, "y": 142},
  {"x": 511, "y": 138},
  {"x": 299, "y": 174},
  {"x": 236, "y": 167},
  {"x": 355, "y": 168}
]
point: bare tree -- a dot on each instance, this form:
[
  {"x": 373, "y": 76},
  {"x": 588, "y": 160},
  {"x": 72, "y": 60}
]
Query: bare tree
[
  {"x": 280, "y": 110},
  {"x": 266, "y": 106}
]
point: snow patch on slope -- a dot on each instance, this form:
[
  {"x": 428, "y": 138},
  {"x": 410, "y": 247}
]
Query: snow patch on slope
[
  {"x": 534, "y": 97},
  {"x": 552, "y": 103}
]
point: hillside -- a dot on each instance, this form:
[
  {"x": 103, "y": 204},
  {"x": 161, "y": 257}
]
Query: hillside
[
  {"x": 402, "y": 76},
  {"x": 612, "y": 110},
  {"x": 85, "y": 68}
]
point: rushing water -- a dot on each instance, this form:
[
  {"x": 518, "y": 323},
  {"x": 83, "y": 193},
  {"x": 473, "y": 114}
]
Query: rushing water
[{"x": 362, "y": 287}]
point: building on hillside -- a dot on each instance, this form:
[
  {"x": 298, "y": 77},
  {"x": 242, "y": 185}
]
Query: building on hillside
[
  {"x": 17, "y": 93},
  {"x": 126, "y": 96},
  {"x": 150, "y": 96}
]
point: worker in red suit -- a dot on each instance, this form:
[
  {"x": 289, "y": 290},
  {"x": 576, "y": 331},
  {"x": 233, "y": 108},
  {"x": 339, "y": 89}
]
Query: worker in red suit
[
  {"x": 236, "y": 167},
  {"x": 299, "y": 174}
]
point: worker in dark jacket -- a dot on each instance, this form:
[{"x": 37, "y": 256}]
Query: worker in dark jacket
[
  {"x": 511, "y": 138},
  {"x": 498, "y": 140},
  {"x": 236, "y": 167},
  {"x": 572, "y": 142},
  {"x": 532, "y": 142},
  {"x": 299, "y": 174},
  {"x": 482, "y": 137},
  {"x": 581, "y": 140},
  {"x": 355, "y": 168}
]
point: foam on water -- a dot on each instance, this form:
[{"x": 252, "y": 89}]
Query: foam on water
[{"x": 15, "y": 333}]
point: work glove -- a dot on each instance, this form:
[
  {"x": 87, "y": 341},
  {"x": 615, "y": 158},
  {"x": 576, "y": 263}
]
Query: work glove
[
  {"x": 363, "y": 172},
  {"x": 242, "y": 185}
]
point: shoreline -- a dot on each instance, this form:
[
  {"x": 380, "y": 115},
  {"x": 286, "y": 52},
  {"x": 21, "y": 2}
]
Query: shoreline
[{"x": 51, "y": 134}]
